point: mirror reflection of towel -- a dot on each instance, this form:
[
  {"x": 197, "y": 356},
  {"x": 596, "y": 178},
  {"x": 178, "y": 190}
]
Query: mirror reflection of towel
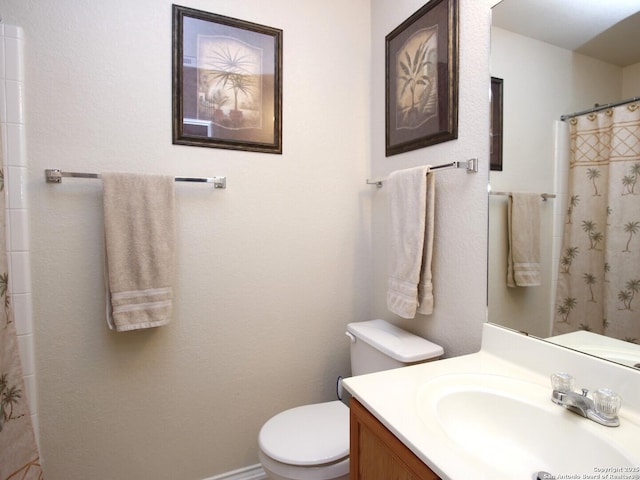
[
  {"x": 139, "y": 221},
  {"x": 523, "y": 261}
]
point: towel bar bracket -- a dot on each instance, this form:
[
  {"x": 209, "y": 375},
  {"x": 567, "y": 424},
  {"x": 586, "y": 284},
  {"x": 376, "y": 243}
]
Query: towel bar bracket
[
  {"x": 54, "y": 175},
  {"x": 471, "y": 165}
]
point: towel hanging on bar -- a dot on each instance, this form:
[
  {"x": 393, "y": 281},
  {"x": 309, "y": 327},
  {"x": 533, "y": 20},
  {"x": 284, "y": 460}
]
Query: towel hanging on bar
[{"x": 471, "y": 165}]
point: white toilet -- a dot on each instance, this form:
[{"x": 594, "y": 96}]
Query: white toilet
[{"x": 312, "y": 442}]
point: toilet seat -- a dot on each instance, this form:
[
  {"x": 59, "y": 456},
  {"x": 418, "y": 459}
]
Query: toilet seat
[{"x": 311, "y": 435}]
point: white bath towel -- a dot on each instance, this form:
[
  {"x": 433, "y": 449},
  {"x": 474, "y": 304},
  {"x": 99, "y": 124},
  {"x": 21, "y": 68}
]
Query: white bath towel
[
  {"x": 425, "y": 287},
  {"x": 411, "y": 207},
  {"x": 139, "y": 221},
  {"x": 523, "y": 262}
]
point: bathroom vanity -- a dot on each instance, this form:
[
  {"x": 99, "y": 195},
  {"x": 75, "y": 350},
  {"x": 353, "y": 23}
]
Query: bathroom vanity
[
  {"x": 375, "y": 452},
  {"x": 489, "y": 415}
]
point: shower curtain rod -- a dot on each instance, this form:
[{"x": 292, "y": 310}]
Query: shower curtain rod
[{"x": 597, "y": 108}]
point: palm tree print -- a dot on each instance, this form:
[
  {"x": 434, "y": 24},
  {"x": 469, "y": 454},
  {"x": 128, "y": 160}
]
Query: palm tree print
[
  {"x": 626, "y": 296},
  {"x": 417, "y": 94},
  {"x": 564, "y": 309},
  {"x": 229, "y": 72},
  {"x": 216, "y": 98},
  {"x": 634, "y": 287},
  {"x": 595, "y": 237},
  {"x": 592, "y": 174},
  {"x": 4, "y": 285},
  {"x": 413, "y": 71},
  {"x": 231, "y": 69},
  {"x": 590, "y": 280},
  {"x": 629, "y": 181},
  {"x": 588, "y": 226},
  {"x": 569, "y": 255},
  {"x": 9, "y": 396},
  {"x": 575, "y": 200},
  {"x": 631, "y": 228}
]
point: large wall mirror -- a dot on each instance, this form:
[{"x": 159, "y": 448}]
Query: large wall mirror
[{"x": 555, "y": 58}]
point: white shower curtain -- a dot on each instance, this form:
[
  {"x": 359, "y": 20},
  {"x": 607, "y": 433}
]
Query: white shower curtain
[
  {"x": 19, "y": 457},
  {"x": 599, "y": 274}
]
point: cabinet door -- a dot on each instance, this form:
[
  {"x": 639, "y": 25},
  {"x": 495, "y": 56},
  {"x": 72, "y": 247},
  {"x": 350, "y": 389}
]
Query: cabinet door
[{"x": 377, "y": 454}]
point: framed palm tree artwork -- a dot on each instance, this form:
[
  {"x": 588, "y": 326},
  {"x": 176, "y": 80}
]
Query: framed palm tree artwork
[
  {"x": 421, "y": 97},
  {"x": 227, "y": 82}
]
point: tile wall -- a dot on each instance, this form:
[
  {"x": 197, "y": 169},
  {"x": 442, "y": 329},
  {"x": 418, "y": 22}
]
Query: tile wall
[{"x": 12, "y": 124}]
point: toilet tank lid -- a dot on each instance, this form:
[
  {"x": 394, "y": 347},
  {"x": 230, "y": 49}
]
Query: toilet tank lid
[{"x": 399, "y": 344}]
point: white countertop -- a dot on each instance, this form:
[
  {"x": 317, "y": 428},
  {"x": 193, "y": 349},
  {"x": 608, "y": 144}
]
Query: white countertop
[{"x": 392, "y": 397}]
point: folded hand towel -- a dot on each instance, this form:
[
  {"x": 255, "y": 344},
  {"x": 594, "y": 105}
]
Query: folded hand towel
[
  {"x": 139, "y": 220},
  {"x": 409, "y": 256},
  {"x": 523, "y": 263}
]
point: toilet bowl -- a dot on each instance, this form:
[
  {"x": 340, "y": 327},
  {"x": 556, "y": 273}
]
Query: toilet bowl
[
  {"x": 311, "y": 442},
  {"x": 307, "y": 443}
]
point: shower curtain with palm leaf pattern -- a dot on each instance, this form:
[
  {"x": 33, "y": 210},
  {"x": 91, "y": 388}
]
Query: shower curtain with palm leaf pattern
[
  {"x": 19, "y": 457},
  {"x": 599, "y": 273}
]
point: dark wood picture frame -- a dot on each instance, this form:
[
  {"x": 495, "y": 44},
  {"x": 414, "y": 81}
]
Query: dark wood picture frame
[
  {"x": 227, "y": 82},
  {"x": 421, "y": 94},
  {"x": 497, "y": 86}
]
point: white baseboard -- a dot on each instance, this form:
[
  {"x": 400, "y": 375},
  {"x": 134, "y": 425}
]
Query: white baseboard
[{"x": 254, "y": 472}]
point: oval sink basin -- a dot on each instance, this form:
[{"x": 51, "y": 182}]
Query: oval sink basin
[{"x": 511, "y": 429}]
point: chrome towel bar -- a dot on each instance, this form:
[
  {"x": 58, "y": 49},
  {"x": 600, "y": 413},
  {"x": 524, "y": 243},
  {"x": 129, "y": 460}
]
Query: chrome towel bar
[
  {"x": 470, "y": 165},
  {"x": 544, "y": 196},
  {"x": 53, "y": 175}
]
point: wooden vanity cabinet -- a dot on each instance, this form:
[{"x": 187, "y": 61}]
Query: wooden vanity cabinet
[{"x": 377, "y": 454}]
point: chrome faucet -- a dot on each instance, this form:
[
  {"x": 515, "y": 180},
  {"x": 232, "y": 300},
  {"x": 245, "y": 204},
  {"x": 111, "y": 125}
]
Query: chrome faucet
[{"x": 603, "y": 408}]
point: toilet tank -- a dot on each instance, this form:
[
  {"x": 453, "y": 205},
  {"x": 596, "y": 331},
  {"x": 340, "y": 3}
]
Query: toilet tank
[{"x": 377, "y": 345}]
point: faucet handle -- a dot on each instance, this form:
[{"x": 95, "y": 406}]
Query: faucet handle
[
  {"x": 562, "y": 382},
  {"x": 607, "y": 402}
]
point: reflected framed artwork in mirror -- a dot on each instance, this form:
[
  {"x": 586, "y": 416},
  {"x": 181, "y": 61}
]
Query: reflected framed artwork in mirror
[
  {"x": 227, "y": 82},
  {"x": 496, "y": 123},
  {"x": 421, "y": 84}
]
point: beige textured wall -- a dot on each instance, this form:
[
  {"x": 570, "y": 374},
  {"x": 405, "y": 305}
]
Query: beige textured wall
[
  {"x": 460, "y": 261},
  {"x": 631, "y": 81},
  {"x": 270, "y": 270}
]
